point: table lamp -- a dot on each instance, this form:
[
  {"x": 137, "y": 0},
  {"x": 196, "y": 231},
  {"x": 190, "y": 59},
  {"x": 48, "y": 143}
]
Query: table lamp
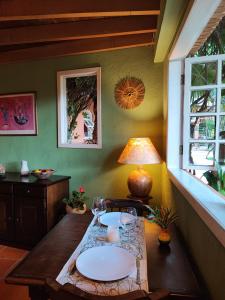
[{"x": 139, "y": 151}]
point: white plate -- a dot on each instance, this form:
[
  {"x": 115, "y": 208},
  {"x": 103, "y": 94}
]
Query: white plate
[
  {"x": 105, "y": 263},
  {"x": 113, "y": 219}
]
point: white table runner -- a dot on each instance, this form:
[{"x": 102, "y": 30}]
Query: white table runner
[{"x": 136, "y": 246}]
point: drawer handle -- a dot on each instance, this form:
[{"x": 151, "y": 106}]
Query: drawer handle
[{"x": 28, "y": 191}]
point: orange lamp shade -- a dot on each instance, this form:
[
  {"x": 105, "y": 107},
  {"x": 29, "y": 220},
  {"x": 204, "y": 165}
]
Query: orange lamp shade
[{"x": 139, "y": 151}]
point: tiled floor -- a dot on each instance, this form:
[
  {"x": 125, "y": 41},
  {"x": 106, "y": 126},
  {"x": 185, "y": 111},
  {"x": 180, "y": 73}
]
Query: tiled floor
[{"x": 9, "y": 257}]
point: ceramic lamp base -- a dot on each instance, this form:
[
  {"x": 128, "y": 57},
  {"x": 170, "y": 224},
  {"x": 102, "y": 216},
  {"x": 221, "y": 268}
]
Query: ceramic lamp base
[{"x": 139, "y": 183}]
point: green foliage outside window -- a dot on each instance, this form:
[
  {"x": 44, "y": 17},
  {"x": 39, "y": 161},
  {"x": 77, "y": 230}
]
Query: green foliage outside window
[
  {"x": 205, "y": 74},
  {"x": 215, "y": 44}
]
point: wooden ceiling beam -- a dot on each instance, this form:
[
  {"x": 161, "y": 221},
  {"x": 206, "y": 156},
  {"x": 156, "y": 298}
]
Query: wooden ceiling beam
[
  {"x": 48, "y": 9},
  {"x": 78, "y": 30},
  {"x": 76, "y": 47}
]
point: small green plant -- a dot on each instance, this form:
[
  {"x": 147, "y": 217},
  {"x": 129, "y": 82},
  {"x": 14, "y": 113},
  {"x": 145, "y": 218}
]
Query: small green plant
[
  {"x": 216, "y": 179},
  {"x": 163, "y": 216},
  {"x": 212, "y": 178},
  {"x": 78, "y": 198}
]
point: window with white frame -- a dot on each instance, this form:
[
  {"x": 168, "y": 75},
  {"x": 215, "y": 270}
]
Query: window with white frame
[
  {"x": 205, "y": 201},
  {"x": 204, "y": 112}
]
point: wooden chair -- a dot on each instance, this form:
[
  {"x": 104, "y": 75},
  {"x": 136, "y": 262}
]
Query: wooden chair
[
  {"x": 119, "y": 204},
  {"x": 71, "y": 292}
]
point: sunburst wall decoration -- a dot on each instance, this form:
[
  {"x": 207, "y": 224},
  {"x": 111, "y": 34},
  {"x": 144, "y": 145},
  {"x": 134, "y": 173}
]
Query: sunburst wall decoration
[{"x": 129, "y": 92}]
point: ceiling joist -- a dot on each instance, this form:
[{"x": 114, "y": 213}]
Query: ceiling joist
[
  {"x": 32, "y": 29},
  {"x": 77, "y": 47},
  {"x": 78, "y": 30},
  {"x": 49, "y": 9}
]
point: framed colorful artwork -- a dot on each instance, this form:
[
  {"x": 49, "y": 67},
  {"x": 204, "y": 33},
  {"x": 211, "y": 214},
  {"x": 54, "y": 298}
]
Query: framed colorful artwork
[
  {"x": 79, "y": 108},
  {"x": 18, "y": 114}
]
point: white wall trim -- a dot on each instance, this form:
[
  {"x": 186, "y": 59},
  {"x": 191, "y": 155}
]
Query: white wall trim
[
  {"x": 197, "y": 19},
  {"x": 174, "y": 127}
]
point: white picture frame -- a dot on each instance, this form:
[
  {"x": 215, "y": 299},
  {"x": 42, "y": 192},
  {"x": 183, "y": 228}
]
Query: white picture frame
[{"x": 79, "y": 108}]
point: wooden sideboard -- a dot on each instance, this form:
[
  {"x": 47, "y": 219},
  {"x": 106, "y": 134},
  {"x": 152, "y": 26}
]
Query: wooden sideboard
[{"x": 29, "y": 207}]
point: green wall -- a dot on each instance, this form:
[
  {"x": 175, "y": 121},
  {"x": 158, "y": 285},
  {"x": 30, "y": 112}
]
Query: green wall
[
  {"x": 207, "y": 251},
  {"x": 96, "y": 169}
]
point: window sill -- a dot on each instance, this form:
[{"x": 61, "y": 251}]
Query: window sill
[{"x": 208, "y": 203}]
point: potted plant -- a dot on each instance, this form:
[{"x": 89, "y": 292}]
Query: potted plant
[
  {"x": 163, "y": 216},
  {"x": 76, "y": 204},
  {"x": 216, "y": 178}
]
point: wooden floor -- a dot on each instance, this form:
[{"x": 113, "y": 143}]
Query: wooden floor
[{"x": 9, "y": 257}]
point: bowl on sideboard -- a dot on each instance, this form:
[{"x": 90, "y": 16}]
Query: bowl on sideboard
[{"x": 42, "y": 173}]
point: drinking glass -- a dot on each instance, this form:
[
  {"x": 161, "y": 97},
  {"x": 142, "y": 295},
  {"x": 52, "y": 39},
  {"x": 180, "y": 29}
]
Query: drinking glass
[
  {"x": 98, "y": 207},
  {"x": 128, "y": 219}
]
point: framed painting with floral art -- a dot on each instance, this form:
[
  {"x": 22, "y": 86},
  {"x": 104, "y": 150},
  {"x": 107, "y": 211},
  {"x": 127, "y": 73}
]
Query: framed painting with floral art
[
  {"x": 18, "y": 114},
  {"x": 79, "y": 108}
]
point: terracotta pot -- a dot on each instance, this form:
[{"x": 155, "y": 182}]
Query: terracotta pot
[
  {"x": 78, "y": 211},
  {"x": 164, "y": 237}
]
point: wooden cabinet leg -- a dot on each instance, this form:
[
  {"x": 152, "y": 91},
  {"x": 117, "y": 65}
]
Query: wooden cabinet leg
[{"x": 37, "y": 293}]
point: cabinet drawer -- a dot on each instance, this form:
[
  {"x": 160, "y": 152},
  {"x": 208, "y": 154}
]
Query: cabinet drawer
[
  {"x": 27, "y": 190},
  {"x": 6, "y": 188}
]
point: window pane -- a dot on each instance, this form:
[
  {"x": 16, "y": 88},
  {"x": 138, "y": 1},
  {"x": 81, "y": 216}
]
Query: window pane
[
  {"x": 202, "y": 154},
  {"x": 203, "y": 101},
  {"x": 222, "y": 127},
  {"x": 222, "y": 103},
  {"x": 223, "y": 72},
  {"x": 222, "y": 154},
  {"x": 203, "y": 74},
  {"x": 203, "y": 128}
]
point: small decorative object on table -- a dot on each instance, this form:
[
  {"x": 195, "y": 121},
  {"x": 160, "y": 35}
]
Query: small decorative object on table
[
  {"x": 76, "y": 204},
  {"x": 42, "y": 173},
  {"x": 24, "y": 171},
  {"x": 163, "y": 216},
  {"x": 113, "y": 234},
  {"x": 2, "y": 171}
]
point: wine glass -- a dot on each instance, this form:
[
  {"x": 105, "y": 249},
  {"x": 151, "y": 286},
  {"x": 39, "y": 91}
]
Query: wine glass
[
  {"x": 128, "y": 219},
  {"x": 98, "y": 207}
]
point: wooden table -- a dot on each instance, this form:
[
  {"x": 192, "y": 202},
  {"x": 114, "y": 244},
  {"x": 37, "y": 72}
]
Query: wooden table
[{"x": 168, "y": 268}]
